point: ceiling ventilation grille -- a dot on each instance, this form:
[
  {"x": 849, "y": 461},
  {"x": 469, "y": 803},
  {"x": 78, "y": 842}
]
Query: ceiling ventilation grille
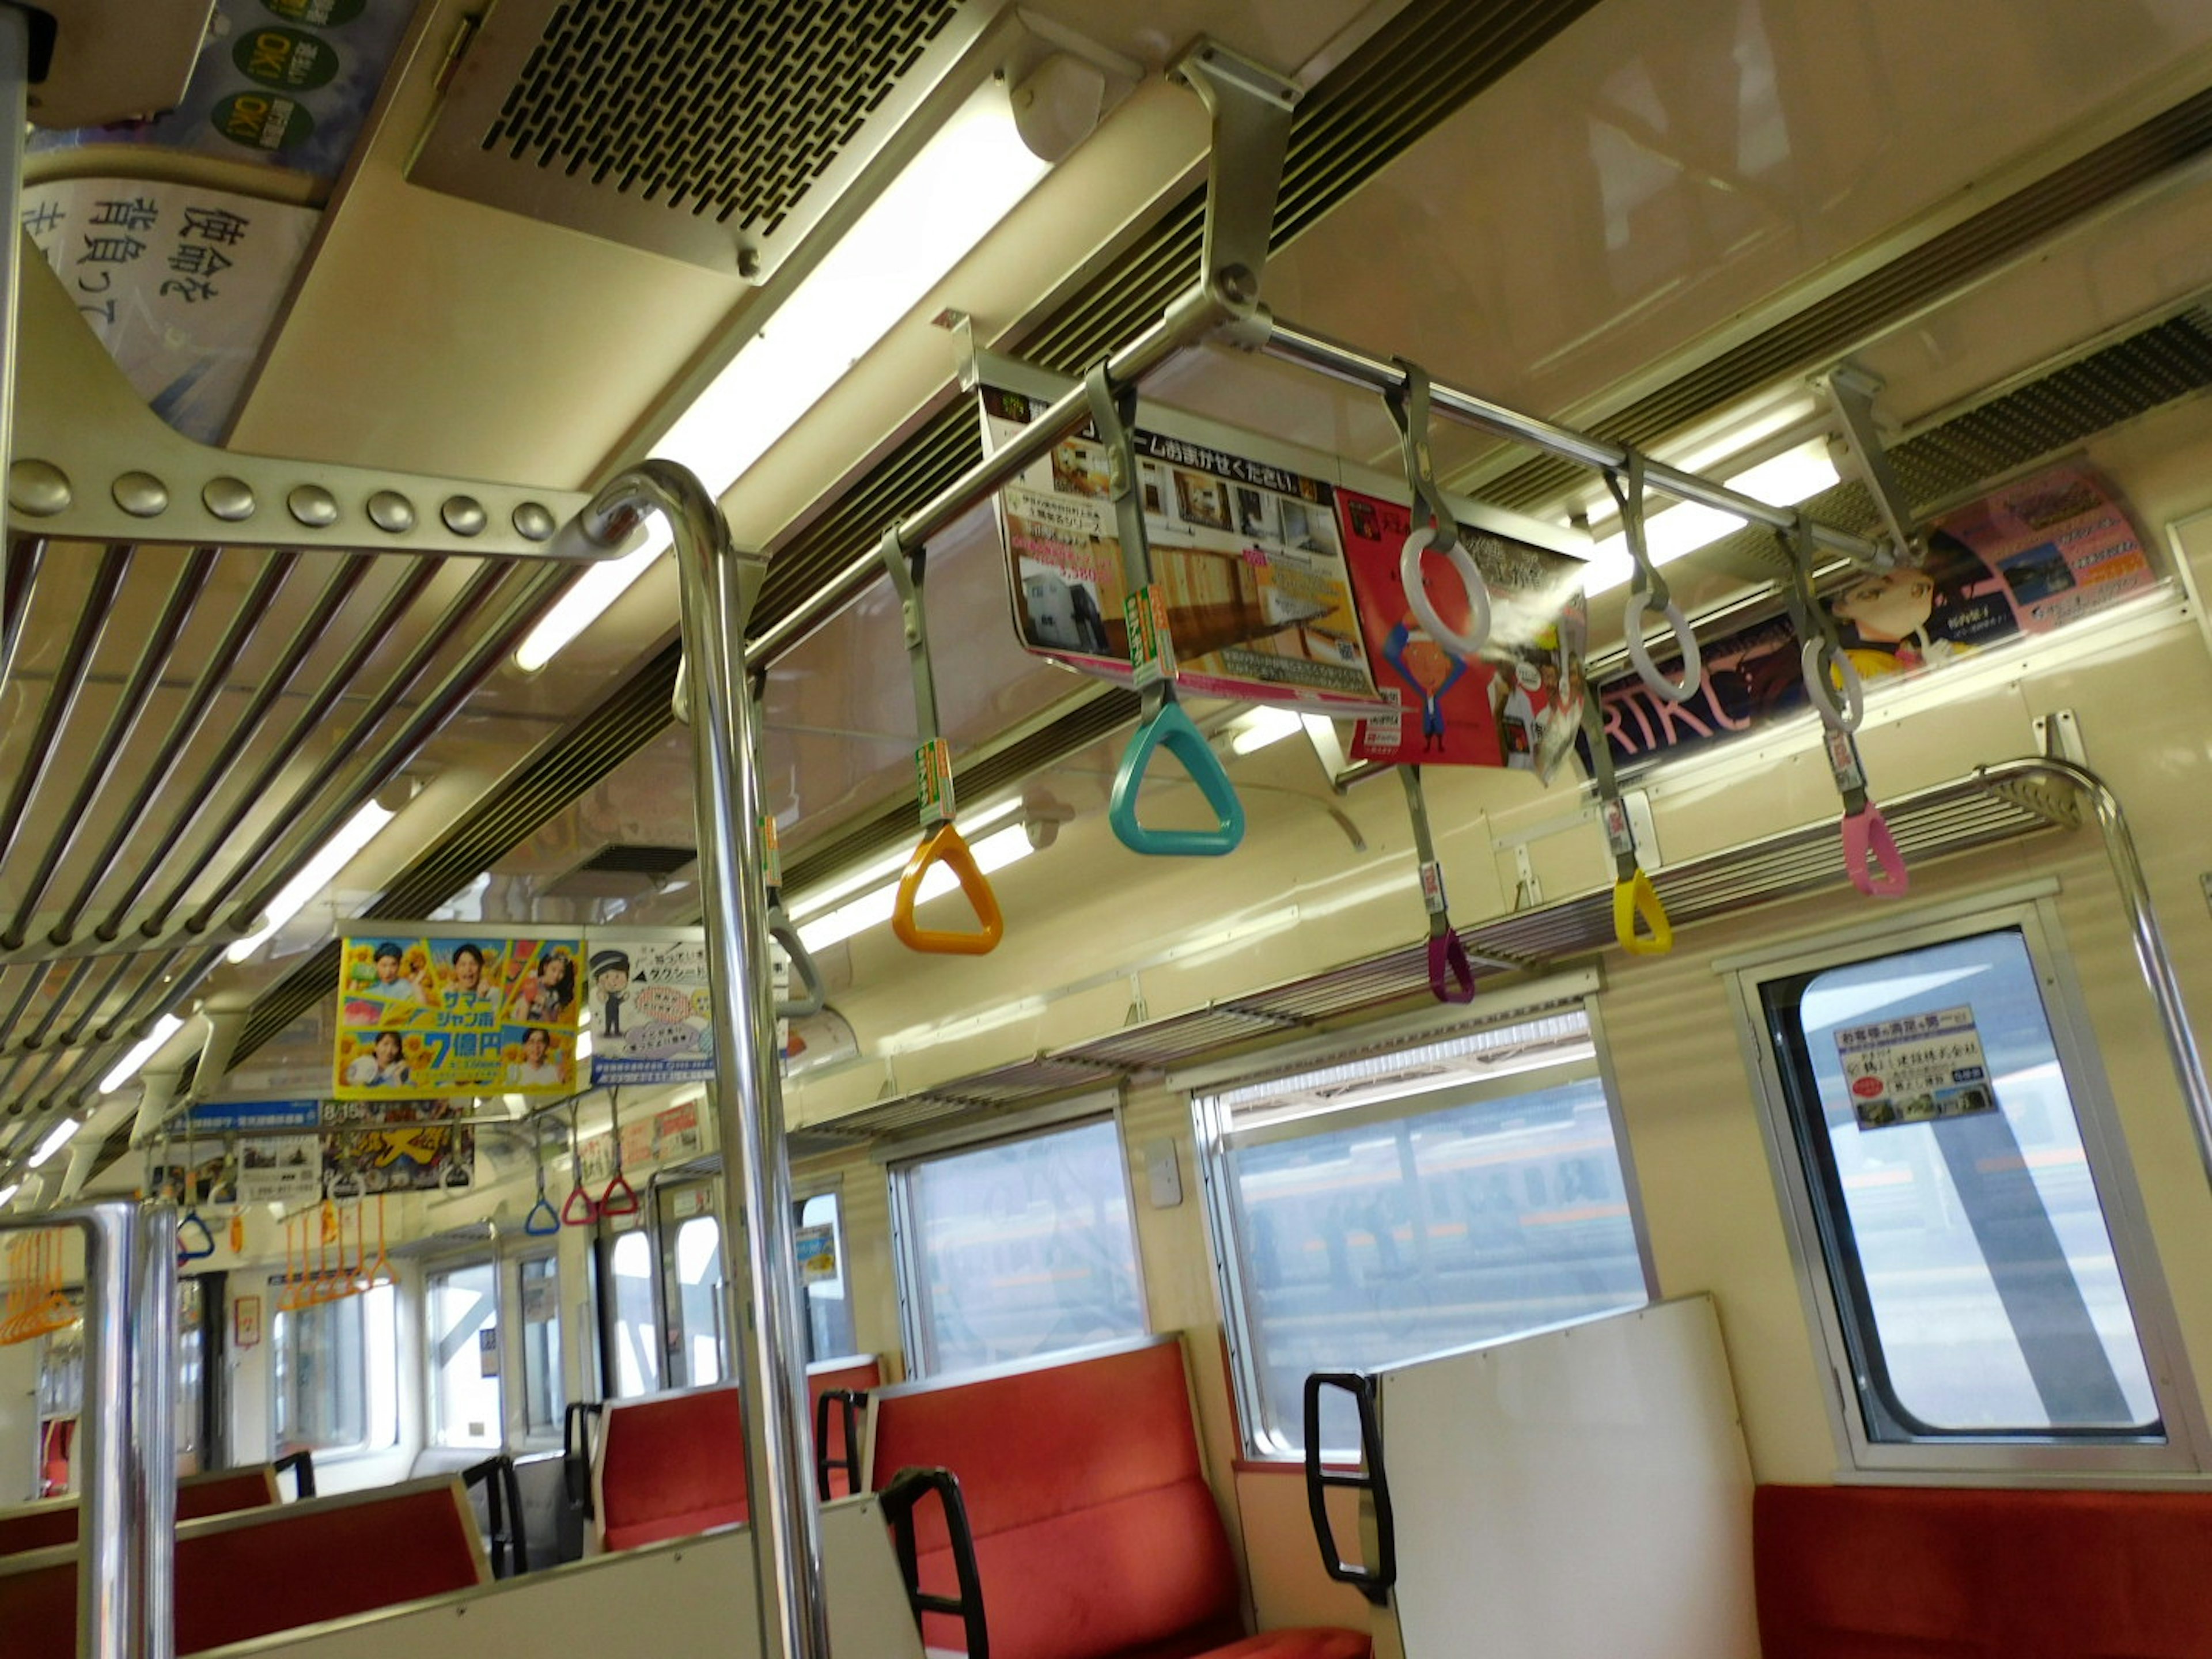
[{"x": 710, "y": 130}]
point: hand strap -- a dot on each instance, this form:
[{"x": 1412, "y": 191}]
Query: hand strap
[
  {"x": 1435, "y": 525},
  {"x": 1451, "y": 973},
  {"x": 1634, "y": 898},
  {"x": 1648, "y": 595}
]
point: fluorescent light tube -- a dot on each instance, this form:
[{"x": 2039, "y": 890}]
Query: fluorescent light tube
[
  {"x": 8, "y": 1192},
  {"x": 1794, "y": 475},
  {"x": 1262, "y": 728},
  {"x": 970, "y": 175},
  {"x": 57, "y": 1137},
  {"x": 340, "y": 850},
  {"x": 143, "y": 1050}
]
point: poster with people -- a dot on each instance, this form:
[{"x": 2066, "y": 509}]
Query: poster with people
[
  {"x": 649, "y": 1007},
  {"x": 1516, "y": 704},
  {"x": 436, "y": 1016},
  {"x": 397, "y": 1146},
  {"x": 2030, "y": 559},
  {"x": 1245, "y": 554}
]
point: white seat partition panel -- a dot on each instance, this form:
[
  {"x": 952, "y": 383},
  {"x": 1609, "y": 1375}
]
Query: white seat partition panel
[
  {"x": 689, "y": 1595},
  {"x": 1583, "y": 1491}
]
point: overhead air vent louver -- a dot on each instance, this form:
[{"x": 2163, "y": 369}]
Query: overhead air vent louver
[{"x": 715, "y": 132}]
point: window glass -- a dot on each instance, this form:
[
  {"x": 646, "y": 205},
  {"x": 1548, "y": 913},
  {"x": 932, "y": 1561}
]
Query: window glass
[
  {"x": 463, "y": 1308},
  {"x": 632, "y": 1326},
  {"x": 695, "y": 1302},
  {"x": 1408, "y": 1203},
  {"x": 1020, "y": 1248},
  {"x": 1970, "y": 1258},
  {"x": 543, "y": 1397},
  {"x": 335, "y": 1382},
  {"x": 821, "y": 1234}
]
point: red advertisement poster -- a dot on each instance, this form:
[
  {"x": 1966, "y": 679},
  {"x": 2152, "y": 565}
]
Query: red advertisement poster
[{"x": 1513, "y": 706}]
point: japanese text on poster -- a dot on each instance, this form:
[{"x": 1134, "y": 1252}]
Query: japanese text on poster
[
  {"x": 1245, "y": 557},
  {"x": 398, "y": 1146},
  {"x": 649, "y": 1010},
  {"x": 1517, "y": 705},
  {"x": 181, "y": 283},
  {"x": 457, "y": 1017},
  {"x": 1917, "y": 1069}
]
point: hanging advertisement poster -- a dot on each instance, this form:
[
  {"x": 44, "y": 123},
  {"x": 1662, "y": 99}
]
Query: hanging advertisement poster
[
  {"x": 649, "y": 1005},
  {"x": 287, "y": 83},
  {"x": 1917, "y": 1069},
  {"x": 1515, "y": 705},
  {"x": 670, "y": 1137},
  {"x": 1245, "y": 554},
  {"x": 181, "y": 282},
  {"x": 457, "y": 1016},
  {"x": 398, "y": 1146},
  {"x": 247, "y": 1166},
  {"x": 2029, "y": 559},
  {"x": 817, "y": 1250}
]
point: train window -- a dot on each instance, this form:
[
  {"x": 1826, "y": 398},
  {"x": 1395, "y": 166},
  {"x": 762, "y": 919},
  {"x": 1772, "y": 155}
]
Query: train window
[
  {"x": 543, "y": 1397},
  {"x": 633, "y": 1333},
  {"x": 694, "y": 1277},
  {"x": 819, "y": 1224},
  {"x": 192, "y": 1372},
  {"x": 462, "y": 1306},
  {"x": 1017, "y": 1247},
  {"x": 1397, "y": 1203},
  {"x": 1983, "y": 1281},
  {"x": 335, "y": 1386}
]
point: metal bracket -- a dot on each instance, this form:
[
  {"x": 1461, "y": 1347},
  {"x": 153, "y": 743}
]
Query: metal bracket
[
  {"x": 1251, "y": 109},
  {"x": 2058, "y": 735},
  {"x": 1850, "y": 393},
  {"x": 92, "y": 463}
]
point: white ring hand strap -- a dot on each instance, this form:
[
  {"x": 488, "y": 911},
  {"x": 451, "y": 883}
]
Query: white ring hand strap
[
  {"x": 1648, "y": 594},
  {"x": 1435, "y": 526}
]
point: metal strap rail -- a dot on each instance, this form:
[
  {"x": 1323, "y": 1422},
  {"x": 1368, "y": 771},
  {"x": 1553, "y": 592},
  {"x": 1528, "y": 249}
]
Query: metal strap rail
[
  {"x": 717, "y": 586},
  {"x": 126, "y": 1442}
]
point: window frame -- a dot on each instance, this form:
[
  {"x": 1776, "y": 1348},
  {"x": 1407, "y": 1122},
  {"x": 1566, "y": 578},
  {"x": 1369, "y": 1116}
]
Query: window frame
[
  {"x": 387, "y": 1392},
  {"x": 900, "y": 1159},
  {"x": 433, "y": 1269},
  {"x": 2073, "y": 1458},
  {"x": 1204, "y": 1086},
  {"x": 521, "y": 1435}
]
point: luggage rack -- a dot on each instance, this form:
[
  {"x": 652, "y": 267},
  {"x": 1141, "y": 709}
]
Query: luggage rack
[{"x": 1990, "y": 806}]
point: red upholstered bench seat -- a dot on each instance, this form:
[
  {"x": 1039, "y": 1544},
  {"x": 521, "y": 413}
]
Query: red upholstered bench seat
[
  {"x": 674, "y": 1465},
  {"x": 259, "y": 1572},
  {"x": 1891, "y": 1572},
  {"x": 1096, "y": 1535},
  {"x": 220, "y": 1492}
]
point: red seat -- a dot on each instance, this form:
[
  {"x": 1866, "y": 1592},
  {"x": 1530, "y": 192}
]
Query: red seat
[
  {"x": 220, "y": 1492},
  {"x": 1096, "y": 1535},
  {"x": 1885, "y": 1572},
  {"x": 674, "y": 1465},
  {"x": 255, "y": 1574}
]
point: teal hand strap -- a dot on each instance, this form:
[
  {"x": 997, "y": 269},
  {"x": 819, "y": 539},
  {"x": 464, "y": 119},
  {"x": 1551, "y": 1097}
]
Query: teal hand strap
[
  {"x": 1113, "y": 413},
  {"x": 1169, "y": 727}
]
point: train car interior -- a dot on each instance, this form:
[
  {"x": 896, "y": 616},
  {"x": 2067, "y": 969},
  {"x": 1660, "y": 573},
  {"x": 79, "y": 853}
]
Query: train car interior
[{"x": 1193, "y": 829}]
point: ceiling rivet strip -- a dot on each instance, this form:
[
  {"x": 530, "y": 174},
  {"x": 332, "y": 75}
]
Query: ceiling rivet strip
[
  {"x": 38, "y": 489},
  {"x": 389, "y": 510},
  {"x": 229, "y": 499},
  {"x": 464, "y": 515},
  {"x": 312, "y": 506},
  {"x": 141, "y": 494}
]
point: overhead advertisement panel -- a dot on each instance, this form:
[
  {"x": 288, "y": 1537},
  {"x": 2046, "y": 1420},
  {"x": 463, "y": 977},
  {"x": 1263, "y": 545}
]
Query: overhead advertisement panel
[{"x": 457, "y": 1016}]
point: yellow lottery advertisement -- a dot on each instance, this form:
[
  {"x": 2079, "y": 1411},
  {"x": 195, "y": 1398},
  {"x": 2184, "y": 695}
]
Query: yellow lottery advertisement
[{"x": 457, "y": 1016}]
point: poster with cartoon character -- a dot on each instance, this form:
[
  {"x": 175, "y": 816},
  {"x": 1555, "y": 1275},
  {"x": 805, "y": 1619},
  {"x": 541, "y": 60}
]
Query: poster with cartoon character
[
  {"x": 649, "y": 1007},
  {"x": 2032, "y": 557},
  {"x": 1513, "y": 706},
  {"x": 457, "y": 1016}
]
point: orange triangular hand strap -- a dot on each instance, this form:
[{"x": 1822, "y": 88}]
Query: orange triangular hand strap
[{"x": 946, "y": 845}]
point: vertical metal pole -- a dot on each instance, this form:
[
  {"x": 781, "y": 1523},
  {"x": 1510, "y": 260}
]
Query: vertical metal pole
[
  {"x": 110, "y": 1589},
  {"x": 761, "y": 1286},
  {"x": 154, "y": 1359},
  {"x": 14, "y": 79}
]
